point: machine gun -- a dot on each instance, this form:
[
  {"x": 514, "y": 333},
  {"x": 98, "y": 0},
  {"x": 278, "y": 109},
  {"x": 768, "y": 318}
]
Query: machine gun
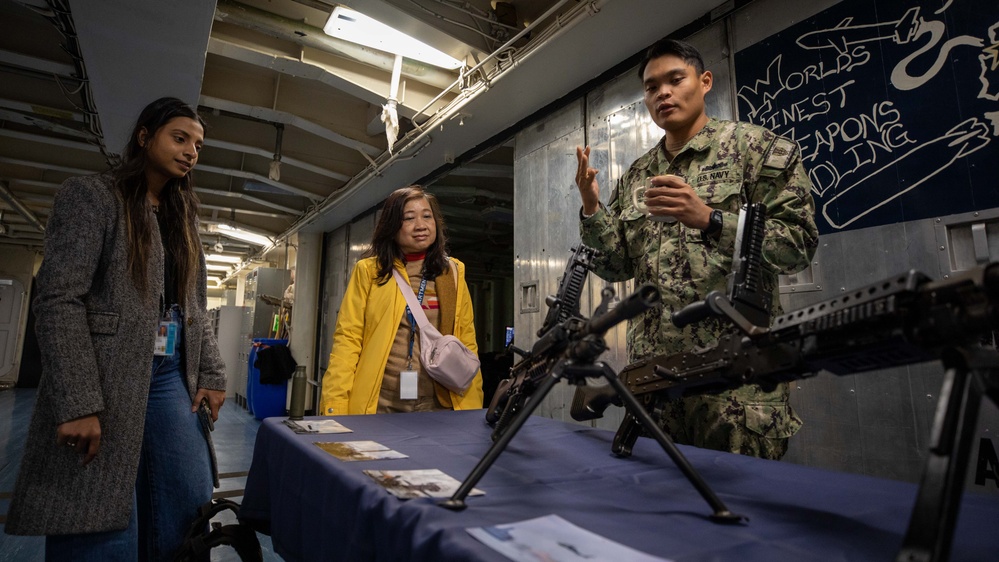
[
  {"x": 748, "y": 300},
  {"x": 902, "y": 320},
  {"x": 580, "y": 342},
  {"x": 525, "y": 376}
]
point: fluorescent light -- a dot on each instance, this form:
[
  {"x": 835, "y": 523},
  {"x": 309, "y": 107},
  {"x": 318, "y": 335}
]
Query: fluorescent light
[
  {"x": 223, "y": 259},
  {"x": 243, "y": 234},
  {"x": 218, "y": 267},
  {"x": 356, "y": 27}
]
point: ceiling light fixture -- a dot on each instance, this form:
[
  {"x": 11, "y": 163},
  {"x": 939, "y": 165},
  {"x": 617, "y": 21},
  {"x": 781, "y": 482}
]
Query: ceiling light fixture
[
  {"x": 223, "y": 259},
  {"x": 243, "y": 234},
  {"x": 356, "y": 27}
]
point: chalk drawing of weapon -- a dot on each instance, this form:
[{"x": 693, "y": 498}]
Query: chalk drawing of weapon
[
  {"x": 923, "y": 162},
  {"x": 843, "y": 35}
]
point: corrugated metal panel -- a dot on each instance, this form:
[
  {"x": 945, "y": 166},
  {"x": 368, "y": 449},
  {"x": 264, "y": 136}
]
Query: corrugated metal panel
[
  {"x": 334, "y": 285},
  {"x": 343, "y": 248},
  {"x": 544, "y": 167}
]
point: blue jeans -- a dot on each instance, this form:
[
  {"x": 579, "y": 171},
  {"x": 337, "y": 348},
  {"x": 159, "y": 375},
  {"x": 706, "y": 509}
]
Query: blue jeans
[
  {"x": 110, "y": 546},
  {"x": 174, "y": 479},
  {"x": 175, "y": 471}
]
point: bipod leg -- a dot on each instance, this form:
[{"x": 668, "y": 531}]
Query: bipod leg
[
  {"x": 721, "y": 513},
  {"x": 457, "y": 501},
  {"x": 931, "y": 525}
]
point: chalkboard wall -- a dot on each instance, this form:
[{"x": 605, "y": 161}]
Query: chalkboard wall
[{"x": 895, "y": 105}]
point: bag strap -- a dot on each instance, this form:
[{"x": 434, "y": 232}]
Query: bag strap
[
  {"x": 414, "y": 305},
  {"x": 204, "y": 535}
]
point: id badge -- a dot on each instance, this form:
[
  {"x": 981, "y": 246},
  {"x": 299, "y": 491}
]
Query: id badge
[
  {"x": 407, "y": 385},
  {"x": 166, "y": 338}
]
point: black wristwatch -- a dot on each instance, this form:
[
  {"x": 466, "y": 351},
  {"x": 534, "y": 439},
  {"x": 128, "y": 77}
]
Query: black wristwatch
[{"x": 714, "y": 223}]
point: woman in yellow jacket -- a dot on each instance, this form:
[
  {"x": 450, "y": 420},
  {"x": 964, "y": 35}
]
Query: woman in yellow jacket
[{"x": 374, "y": 366}]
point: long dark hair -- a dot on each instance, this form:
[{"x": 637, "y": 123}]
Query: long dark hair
[
  {"x": 178, "y": 203},
  {"x": 384, "y": 246}
]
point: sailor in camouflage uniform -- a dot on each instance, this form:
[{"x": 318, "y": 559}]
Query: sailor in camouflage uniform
[{"x": 701, "y": 173}]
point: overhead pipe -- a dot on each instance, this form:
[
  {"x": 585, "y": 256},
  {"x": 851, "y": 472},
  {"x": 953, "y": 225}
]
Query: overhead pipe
[
  {"x": 257, "y": 200},
  {"x": 287, "y": 160},
  {"x": 493, "y": 55},
  {"x": 48, "y": 167},
  {"x": 315, "y": 71},
  {"x": 467, "y": 191},
  {"x": 210, "y": 141},
  {"x": 8, "y": 196},
  {"x": 217, "y": 208},
  {"x": 274, "y": 116},
  {"x": 233, "y": 173}
]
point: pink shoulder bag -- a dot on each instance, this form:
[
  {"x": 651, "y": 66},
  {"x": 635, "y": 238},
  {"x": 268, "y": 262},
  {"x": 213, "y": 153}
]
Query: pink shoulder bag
[{"x": 445, "y": 358}]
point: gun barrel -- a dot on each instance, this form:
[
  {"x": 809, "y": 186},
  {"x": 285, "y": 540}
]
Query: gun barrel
[
  {"x": 695, "y": 312},
  {"x": 646, "y": 297}
]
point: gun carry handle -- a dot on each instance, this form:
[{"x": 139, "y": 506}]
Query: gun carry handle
[
  {"x": 716, "y": 304},
  {"x": 695, "y": 312}
]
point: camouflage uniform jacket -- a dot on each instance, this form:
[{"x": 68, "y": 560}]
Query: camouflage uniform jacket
[{"x": 728, "y": 164}]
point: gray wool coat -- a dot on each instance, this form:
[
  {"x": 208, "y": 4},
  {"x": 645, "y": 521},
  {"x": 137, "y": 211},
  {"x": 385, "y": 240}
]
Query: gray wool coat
[{"x": 96, "y": 332}]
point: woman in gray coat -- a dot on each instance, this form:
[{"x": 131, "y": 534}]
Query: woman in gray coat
[{"x": 118, "y": 456}]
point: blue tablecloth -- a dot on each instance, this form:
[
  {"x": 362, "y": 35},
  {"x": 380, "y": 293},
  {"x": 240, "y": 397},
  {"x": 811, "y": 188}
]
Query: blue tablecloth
[{"x": 320, "y": 508}]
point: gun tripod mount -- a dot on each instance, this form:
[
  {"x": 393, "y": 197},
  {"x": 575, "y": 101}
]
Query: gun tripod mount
[{"x": 584, "y": 346}]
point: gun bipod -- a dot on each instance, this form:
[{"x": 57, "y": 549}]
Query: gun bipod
[
  {"x": 970, "y": 375},
  {"x": 576, "y": 373}
]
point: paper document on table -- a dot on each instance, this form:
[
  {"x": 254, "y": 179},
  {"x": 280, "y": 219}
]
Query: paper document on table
[
  {"x": 426, "y": 483},
  {"x": 553, "y": 539},
  {"x": 359, "y": 450},
  {"x": 317, "y": 426}
]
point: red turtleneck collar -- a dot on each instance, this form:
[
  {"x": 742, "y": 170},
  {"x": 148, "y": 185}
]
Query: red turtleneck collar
[{"x": 415, "y": 257}]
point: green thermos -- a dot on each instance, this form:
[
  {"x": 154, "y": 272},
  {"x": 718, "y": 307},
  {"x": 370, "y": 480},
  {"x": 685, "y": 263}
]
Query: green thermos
[{"x": 297, "y": 409}]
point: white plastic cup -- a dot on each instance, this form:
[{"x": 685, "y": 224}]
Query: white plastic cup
[{"x": 638, "y": 198}]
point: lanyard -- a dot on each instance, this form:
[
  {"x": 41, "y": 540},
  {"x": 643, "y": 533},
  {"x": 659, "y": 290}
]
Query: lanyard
[{"x": 412, "y": 321}]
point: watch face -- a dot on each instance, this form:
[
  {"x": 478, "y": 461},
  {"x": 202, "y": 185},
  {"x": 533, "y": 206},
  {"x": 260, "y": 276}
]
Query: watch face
[{"x": 714, "y": 222}]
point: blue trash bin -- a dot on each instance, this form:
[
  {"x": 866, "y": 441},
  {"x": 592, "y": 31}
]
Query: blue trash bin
[{"x": 264, "y": 400}]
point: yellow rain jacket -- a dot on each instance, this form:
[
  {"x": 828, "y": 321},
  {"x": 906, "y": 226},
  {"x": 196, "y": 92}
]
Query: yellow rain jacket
[{"x": 365, "y": 329}]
